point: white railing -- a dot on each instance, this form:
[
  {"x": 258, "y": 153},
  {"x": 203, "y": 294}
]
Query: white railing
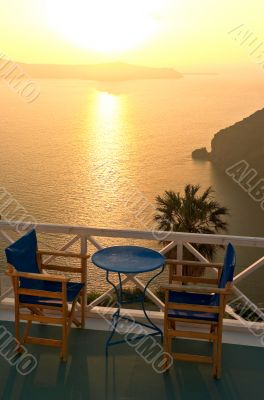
[{"x": 88, "y": 237}]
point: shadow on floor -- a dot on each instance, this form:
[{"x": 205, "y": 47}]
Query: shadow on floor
[{"x": 124, "y": 375}]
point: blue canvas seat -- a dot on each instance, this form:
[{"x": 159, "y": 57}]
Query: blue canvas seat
[
  {"x": 200, "y": 305},
  {"x": 40, "y": 292},
  {"x": 192, "y": 298},
  {"x": 73, "y": 290}
]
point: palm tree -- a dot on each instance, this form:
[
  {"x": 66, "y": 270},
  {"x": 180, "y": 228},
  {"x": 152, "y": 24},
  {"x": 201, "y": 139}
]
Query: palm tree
[{"x": 191, "y": 212}]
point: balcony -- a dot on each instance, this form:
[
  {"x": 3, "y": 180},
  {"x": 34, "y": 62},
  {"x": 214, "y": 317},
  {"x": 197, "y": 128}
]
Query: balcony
[
  {"x": 89, "y": 374},
  {"x": 128, "y": 372}
]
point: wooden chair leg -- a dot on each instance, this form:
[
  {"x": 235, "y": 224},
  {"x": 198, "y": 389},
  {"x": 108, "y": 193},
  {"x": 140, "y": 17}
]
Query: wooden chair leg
[
  {"x": 17, "y": 323},
  {"x": 83, "y": 309},
  {"x": 212, "y": 330},
  {"x": 219, "y": 352},
  {"x": 166, "y": 343},
  {"x": 26, "y": 331},
  {"x": 165, "y": 348},
  {"x": 169, "y": 344},
  {"x": 64, "y": 349},
  {"x": 215, "y": 355},
  {"x": 20, "y": 348},
  {"x": 17, "y": 330},
  {"x": 172, "y": 324},
  {"x": 66, "y": 322}
]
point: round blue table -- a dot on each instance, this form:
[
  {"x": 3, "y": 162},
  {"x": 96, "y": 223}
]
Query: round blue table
[{"x": 129, "y": 260}]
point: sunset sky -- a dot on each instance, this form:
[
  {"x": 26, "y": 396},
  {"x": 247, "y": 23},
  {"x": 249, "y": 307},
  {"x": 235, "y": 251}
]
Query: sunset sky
[{"x": 184, "y": 34}]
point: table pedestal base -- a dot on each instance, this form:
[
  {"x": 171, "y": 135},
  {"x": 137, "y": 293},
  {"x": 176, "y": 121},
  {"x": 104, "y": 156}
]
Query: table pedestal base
[{"x": 117, "y": 317}]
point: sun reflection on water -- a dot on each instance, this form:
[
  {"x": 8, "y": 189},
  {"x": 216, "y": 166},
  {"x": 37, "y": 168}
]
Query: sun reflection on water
[
  {"x": 108, "y": 106},
  {"x": 107, "y": 115},
  {"x": 109, "y": 136},
  {"x": 110, "y": 126}
]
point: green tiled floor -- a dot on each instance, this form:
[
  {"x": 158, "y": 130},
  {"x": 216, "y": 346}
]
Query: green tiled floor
[{"x": 124, "y": 375}]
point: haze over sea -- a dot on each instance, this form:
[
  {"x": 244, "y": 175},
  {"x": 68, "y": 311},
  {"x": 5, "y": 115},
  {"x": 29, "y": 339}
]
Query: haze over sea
[{"x": 143, "y": 132}]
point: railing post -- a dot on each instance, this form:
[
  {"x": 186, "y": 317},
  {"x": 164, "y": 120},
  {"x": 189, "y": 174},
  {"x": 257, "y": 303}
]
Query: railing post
[
  {"x": 5, "y": 289},
  {"x": 180, "y": 257}
]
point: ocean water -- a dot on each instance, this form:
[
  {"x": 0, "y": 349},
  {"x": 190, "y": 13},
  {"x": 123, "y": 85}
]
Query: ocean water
[{"x": 83, "y": 150}]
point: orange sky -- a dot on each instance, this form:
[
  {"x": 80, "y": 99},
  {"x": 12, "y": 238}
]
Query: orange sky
[{"x": 185, "y": 34}]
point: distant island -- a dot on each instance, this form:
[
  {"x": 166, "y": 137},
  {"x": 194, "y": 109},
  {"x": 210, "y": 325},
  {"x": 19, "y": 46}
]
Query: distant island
[
  {"x": 100, "y": 72},
  {"x": 242, "y": 141}
]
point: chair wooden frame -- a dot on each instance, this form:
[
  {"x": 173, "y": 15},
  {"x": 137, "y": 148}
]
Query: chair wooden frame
[
  {"x": 66, "y": 314},
  {"x": 214, "y": 328}
]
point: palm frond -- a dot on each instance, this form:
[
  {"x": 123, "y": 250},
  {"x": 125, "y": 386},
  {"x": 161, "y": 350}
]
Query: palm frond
[{"x": 192, "y": 213}]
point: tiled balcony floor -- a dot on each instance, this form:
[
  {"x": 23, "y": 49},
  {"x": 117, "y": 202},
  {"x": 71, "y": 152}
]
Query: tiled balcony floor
[{"x": 124, "y": 375}]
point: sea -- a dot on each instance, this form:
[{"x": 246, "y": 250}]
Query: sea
[{"x": 85, "y": 152}]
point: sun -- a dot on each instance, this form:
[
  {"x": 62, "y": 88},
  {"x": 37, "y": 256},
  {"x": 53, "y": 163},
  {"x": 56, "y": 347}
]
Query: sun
[{"x": 104, "y": 25}]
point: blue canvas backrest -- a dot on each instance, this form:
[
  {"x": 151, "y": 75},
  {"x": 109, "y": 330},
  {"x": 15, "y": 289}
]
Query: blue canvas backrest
[
  {"x": 22, "y": 254},
  {"x": 229, "y": 266}
]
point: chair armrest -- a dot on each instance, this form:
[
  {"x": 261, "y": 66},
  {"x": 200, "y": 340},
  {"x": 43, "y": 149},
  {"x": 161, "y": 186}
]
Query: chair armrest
[
  {"x": 194, "y": 263},
  {"x": 39, "y": 277},
  {"x": 62, "y": 254},
  {"x": 196, "y": 289}
]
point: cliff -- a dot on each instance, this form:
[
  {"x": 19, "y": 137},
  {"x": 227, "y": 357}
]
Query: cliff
[{"x": 242, "y": 141}]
